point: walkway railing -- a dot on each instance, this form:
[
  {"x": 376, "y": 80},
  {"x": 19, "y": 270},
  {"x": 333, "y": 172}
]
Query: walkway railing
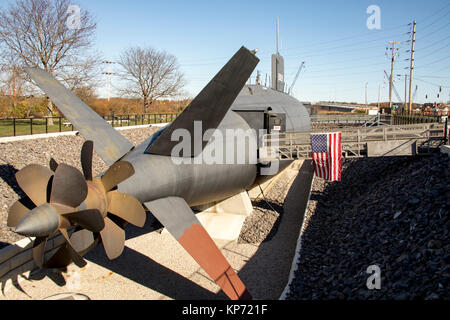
[{"x": 297, "y": 144}]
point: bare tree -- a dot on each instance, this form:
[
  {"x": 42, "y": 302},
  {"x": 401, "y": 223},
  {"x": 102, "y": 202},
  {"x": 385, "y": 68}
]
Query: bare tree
[
  {"x": 11, "y": 79},
  {"x": 40, "y": 34},
  {"x": 150, "y": 75}
]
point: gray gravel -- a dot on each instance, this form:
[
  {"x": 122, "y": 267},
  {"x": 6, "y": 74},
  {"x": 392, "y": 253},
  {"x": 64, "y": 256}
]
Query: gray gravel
[
  {"x": 64, "y": 149},
  {"x": 265, "y": 217},
  {"x": 390, "y": 212}
]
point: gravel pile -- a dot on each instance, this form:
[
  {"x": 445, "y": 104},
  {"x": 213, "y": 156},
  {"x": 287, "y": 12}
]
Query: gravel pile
[
  {"x": 262, "y": 223},
  {"x": 64, "y": 149},
  {"x": 389, "y": 212}
]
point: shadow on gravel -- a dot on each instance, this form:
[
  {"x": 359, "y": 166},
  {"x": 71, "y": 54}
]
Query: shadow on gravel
[
  {"x": 267, "y": 272},
  {"x": 8, "y": 174},
  {"x": 270, "y": 206}
]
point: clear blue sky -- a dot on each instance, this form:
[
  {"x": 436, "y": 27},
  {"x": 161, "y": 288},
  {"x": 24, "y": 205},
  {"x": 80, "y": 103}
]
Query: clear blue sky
[{"x": 340, "y": 52}]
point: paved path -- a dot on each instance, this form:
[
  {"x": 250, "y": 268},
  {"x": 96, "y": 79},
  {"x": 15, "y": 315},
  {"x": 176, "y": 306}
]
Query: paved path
[{"x": 154, "y": 266}]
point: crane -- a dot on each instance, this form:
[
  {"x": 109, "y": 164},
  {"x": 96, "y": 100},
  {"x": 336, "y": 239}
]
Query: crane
[
  {"x": 296, "y": 77},
  {"x": 414, "y": 94}
]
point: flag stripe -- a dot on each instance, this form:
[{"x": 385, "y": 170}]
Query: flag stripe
[{"x": 327, "y": 155}]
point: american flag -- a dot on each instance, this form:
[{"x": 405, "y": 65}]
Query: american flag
[{"x": 326, "y": 155}]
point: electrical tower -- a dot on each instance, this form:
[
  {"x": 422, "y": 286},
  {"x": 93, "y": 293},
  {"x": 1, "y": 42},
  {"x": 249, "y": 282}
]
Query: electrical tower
[{"x": 108, "y": 73}]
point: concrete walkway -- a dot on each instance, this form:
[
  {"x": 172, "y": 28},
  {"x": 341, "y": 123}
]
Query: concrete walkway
[{"x": 154, "y": 266}]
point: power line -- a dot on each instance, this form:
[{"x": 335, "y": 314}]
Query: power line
[
  {"x": 345, "y": 68},
  {"x": 358, "y": 43},
  {"x": 333, "y": 52},
  {"x": 430, "y": 46},
  {"x": 338, "y": 62},
  {"x": 370, "y": 33},
  {"x": 433, "y": 32},
  {"x": 426, "y": 65},
  {"x": 435, "y": 21},
  {"x": 437, "y": 50},
  {"x": 421, "y": 76},
  {"x": 433, "y": 14},
  {"x": 434, "y": 84},
  {"x": 263, "y": 53}
]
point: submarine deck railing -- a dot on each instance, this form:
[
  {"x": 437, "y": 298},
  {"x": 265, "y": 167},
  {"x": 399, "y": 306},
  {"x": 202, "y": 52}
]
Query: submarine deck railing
[{"x": 354, "y": 141}]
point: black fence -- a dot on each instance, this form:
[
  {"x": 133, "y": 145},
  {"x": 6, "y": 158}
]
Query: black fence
[
  {"x": 414, "y": 119},
  {"x": 29, "y": 126}
]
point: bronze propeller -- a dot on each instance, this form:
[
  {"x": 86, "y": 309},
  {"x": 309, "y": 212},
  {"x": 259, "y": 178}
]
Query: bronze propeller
[{"x": 63, "y": 198}]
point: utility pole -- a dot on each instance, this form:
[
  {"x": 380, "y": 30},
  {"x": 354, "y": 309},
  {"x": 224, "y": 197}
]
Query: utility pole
[
  {"x": 108, "y": 73},
  {"x": 411, "y": 66},
  {"x": 391, "y": 79}
]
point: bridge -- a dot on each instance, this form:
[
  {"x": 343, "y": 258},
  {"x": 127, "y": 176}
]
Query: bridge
[
  {"x": 363, "y": 119},
  {"x": 329, "y": 106},
  {"x": 379, "y": 141}
]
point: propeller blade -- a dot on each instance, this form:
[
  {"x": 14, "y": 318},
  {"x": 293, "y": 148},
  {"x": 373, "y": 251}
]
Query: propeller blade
[
  {"x": 60, "y": 259},
  {"x": 82, "y": 240},
  {"x": 53, "y": 164},
  {"x": 39, "y": 250},
  {"x": 126, "y": 207},
  {"x": 16, "y": 213},
  {"x": 91, "y": 220},
  {"x": 113, "y": 238},
  {"x": 86, "y": 159},
  {"x": 33, "y": 180},
  {"x": 75, "y": 256},
  {"x": 69, "y": 187},
  {"x": 62, "y": 209},
  {"x": 118, "y": 172}
]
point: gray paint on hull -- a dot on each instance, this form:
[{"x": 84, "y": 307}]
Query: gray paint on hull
[
  {"x": 253, "y": 97},
  {"x": 158, "y": 176}
]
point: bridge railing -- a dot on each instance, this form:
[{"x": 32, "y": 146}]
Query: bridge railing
[{"x": 337, "y": 118}]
